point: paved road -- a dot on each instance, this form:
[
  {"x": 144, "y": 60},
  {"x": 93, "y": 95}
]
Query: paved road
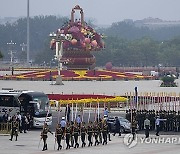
[
  {"x": 28, "y": 144},
  {"x": 90, "y": 87}
]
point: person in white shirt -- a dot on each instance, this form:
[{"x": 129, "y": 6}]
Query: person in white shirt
[
  {"x": 106, "y": 111},
  {"x": 157, "y": 123},
  {"x": 147, "y": 126},
  {"x": 78, "y": 121}
]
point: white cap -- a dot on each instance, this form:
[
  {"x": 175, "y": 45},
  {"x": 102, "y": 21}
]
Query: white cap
[{"x": 63, "y": 118}]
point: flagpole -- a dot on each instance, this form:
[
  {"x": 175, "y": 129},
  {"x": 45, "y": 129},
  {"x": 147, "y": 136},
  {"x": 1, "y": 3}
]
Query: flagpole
[
  {"x": 72, "y": 112},
  {"x": 89, "y": 112},
  {"x": 59, "y": 110},
  {"x": 83, "y": 113},
  {"x": 75, "y": 112}
]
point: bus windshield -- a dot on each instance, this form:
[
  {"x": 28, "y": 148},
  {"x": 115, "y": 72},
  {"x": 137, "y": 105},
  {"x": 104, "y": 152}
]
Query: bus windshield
[{"x": 41, "y": 104}]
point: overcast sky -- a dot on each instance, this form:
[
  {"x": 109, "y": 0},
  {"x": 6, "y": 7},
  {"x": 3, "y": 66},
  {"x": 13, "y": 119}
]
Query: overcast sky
[{"x": 104, "y": 11}]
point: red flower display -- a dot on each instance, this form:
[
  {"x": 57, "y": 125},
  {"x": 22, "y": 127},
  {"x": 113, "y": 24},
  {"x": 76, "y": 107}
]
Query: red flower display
[{"x": 79, "y": 36}]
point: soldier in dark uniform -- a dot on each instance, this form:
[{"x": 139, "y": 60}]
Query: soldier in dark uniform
[
  {"x": 76, "y": 134},
  {"x": 104, "y": 132},
  {"x": 168, "y": 121},
  {"x": 133, "y": 127},
  {"x": 83, "y": 134},
  {"x": 68, "y": 135},
  {"x": 44, "y": 135},
  {"x": 72, "y": 134},
  {"x": 178, "y": 121},
  {"x": 128, "y": 115},
  {"x": 139, "y": 121},
  {"x": 171, "y": 121},
  {"x": 96, "y": 133},
  {"x": 59, "y": 135},
  {"x": 14, "y": 130},
  {"x": 100, "y": 125},
  {"x": 90, "y": 132},
  {"x": 153, "y": 119}
]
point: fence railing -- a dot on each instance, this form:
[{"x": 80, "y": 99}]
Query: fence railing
[{"x": 5, "y": 128}]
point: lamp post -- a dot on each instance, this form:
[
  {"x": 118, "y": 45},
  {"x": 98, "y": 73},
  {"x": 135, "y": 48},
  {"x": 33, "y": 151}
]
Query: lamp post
[
  {"x": 28, "y": 33},
  {"x": 58, "y": 55},
  {"x": 11, "y": 52},
  {"x": 50, "y": 72}
]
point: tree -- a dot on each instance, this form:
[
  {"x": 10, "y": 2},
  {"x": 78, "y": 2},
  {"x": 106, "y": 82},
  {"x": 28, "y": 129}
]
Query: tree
[
  {"x": 168, "y": 81},
  {"x": 1, "y": 56}
]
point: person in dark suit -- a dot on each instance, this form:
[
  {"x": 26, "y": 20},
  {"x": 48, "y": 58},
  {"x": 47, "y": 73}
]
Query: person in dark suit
[
  {"x": 117, "y": 126},
  {"x": 67, "y": 112}
]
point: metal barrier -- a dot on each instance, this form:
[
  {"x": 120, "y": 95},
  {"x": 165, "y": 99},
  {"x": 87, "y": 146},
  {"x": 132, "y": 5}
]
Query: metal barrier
[{"x": 5, "y": 128}]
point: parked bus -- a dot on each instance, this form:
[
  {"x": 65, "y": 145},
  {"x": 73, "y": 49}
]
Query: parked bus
[{"x": 26, "y": 102}]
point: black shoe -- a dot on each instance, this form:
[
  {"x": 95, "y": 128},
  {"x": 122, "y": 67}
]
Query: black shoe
[
  {"x": 46, "y": 147},
  {"x": 109, "y": 139},
  {"x": 10, "y": 139},
  {"x": 60, "y": 147}
]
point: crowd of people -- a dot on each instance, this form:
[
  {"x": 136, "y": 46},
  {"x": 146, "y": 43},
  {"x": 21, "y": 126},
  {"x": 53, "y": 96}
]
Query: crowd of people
[
  {"x": 96, "y": 133},
  {"x": 172, "y": 122},
  {"x": 19, "y": 123}
]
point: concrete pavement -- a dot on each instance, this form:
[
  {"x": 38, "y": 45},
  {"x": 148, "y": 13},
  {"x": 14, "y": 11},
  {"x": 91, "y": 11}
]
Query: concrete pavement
[{"x": 28, "y": 144}]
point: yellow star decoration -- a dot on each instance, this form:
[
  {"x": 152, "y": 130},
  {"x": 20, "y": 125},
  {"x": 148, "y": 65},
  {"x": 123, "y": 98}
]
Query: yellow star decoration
[{"x": 81, "y": 73}]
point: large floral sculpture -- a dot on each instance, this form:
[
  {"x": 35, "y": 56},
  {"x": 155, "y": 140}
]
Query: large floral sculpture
[{"x": 79, "y": 40}]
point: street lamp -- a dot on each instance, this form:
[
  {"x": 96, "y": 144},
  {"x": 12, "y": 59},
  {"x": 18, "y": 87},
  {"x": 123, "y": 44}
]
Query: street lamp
[
  {"x": 28, "y": 42},
  {"x": 58, "y": 55},
  {"x": 11, "y": 52}
]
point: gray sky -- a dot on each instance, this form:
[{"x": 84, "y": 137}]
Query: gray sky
[{"x": 104, "y": 11}]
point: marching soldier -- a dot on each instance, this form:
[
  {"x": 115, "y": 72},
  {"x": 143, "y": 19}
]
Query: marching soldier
[
  {"x": 14, "y": 130},
  {"x": 104, "y": 132},
  {"x": 72, "y": 135},
  {"x": 100, "y": 125},
  {"x": 96, "y": 133},
  {"x": 76, "y": 134},
  {"x": 108, "y": 127},
  {"x": 59, "y": 135},
  {"x": 83, "y": 134},
  {"x": 90, "y": 132},
  {"x": 44, "y": 135},
  {"x": 68, "y": 135}
]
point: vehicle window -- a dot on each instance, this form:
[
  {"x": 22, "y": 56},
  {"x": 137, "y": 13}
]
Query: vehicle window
[{"x": 8, "y": 101}]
